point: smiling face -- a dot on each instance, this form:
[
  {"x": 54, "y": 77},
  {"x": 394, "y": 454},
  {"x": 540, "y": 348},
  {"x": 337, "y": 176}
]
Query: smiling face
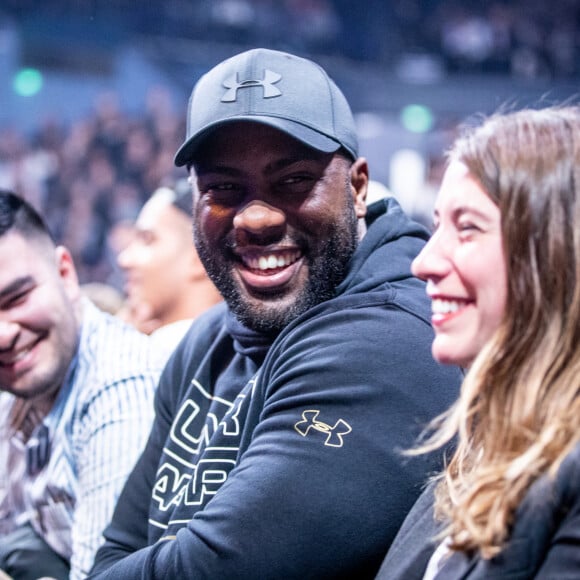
[
  {"x": 275, "y": 221},
  {"x": 38, "y": 326},
  {"x": 465, "y": 269}
]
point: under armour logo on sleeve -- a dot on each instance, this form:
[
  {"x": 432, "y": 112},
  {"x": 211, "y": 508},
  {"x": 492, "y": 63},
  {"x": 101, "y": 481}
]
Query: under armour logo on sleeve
[
  {"x": 334, "y": 434},
  {"x": 267, "y": 84}
]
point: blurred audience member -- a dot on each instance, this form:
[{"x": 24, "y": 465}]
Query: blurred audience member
[
  {"x": 167, "y": 285},
  {"x": 76, "y": 404},
  {"x": 87, "y": 178}
]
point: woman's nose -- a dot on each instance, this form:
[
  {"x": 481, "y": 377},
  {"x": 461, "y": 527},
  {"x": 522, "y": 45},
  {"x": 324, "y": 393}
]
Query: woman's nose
[{"x": 433, "y": 260}]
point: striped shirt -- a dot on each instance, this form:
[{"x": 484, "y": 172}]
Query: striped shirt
[{"x": 66, "y": 478}]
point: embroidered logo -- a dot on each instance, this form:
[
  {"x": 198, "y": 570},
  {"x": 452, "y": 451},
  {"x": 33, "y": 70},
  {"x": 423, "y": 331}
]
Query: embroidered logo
[
  {"x": 334, "y": 434},
  {"x": 267, "y": 83}
]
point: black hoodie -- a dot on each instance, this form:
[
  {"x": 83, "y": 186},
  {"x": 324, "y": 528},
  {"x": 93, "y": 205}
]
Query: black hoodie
[{"x": 281, "y": 457}]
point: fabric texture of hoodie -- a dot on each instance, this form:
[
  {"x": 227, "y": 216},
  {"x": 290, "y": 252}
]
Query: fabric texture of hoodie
[{"x": 280, "y": 457}]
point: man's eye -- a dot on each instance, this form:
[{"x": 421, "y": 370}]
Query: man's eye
[
  {"x": 296, "y": 183},
  {"x": 147, "y": 238},
  {"x": 223, "y": 193},
  {"x": 219, "y": 188},
  {"x": 294, "y": 179},
  {"x": 16, "y": 299},
  {"x": 223, "y": 187}
]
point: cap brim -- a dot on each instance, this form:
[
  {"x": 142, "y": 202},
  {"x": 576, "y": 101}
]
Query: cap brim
[{"x": 300, "y": 132}]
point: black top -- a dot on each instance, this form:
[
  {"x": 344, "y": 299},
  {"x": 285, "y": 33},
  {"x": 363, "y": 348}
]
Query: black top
[{"x": 544, "y": 543}]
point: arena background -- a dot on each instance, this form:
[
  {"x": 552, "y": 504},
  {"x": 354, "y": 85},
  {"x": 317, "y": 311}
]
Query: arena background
[{"x": 93, "y": 93}]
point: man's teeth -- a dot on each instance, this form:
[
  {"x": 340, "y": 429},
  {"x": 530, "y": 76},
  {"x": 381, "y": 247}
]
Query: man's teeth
[
  {"x": 439, "y": 306},
  {"x": 272, "y": 261},
  {"x": 15, "y": 359}
]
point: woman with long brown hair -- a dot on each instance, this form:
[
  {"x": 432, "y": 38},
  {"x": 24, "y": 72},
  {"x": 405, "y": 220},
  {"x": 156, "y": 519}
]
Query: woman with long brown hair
[{"x": 503, "y": 272}]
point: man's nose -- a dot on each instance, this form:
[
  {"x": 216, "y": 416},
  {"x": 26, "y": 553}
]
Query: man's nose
[
  {"x": 125, "y": 257},
  {"x": 8, "y": 334},
  {"x": 259, "y": 218}
]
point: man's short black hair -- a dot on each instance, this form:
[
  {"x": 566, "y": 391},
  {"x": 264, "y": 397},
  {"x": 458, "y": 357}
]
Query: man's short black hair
[
  {"x": 16, "y": 214},
  {"x": 183, "y": 196}
]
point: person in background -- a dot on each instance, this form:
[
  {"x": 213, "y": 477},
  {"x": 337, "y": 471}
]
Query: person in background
[
  {"x": 282, "y": 409},
  {"x": 503, "y": 273},
  {"x": 166, "y": 283},
  {"x": 104, "y": 296},
  {"x": 76, "y": 404}
]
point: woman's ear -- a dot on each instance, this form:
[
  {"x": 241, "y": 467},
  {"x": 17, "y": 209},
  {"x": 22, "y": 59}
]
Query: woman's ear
[{"x": 359, "y": 178}]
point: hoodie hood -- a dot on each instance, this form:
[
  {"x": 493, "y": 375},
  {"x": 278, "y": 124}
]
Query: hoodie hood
[{"x": 385, "y": 253}]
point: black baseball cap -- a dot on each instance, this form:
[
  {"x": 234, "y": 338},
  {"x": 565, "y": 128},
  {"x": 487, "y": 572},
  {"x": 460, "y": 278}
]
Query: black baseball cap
[{"x": 284, "y": 91}]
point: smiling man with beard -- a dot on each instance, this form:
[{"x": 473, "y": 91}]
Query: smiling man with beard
[
  {"x": 280, "y": 418},
  {"x": 277, "y": 255}
]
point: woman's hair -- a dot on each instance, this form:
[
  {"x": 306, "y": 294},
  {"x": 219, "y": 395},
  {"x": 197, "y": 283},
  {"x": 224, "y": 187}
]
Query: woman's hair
[{"x": 517, "y": 415}]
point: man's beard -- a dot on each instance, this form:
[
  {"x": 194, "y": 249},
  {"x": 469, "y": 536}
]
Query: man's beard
[{"x": 326, "y": 270}]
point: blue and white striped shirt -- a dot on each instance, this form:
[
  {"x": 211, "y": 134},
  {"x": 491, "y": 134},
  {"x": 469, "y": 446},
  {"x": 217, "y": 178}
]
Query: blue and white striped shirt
[{"x": 87, "y": 444}]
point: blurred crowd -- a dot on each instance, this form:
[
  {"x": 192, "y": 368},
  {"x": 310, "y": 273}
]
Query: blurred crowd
[
  {"x": 90, "y": 179},
  {"x": 528, "y": 38},
  {"x": 524, "y": 38}
]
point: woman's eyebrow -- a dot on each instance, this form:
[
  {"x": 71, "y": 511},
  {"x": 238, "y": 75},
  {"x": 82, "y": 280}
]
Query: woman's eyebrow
[{"x": 468, "y": 209}]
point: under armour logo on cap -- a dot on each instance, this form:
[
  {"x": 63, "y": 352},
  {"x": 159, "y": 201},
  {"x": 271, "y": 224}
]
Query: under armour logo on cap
[
  {"x": 267, "y": 83},
  {"x": 334, "y": 433},
  {"x": 312, "y": 109}
]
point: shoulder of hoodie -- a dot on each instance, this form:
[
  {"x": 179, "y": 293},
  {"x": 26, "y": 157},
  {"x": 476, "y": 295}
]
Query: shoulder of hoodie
[{"x": 380, "y": 270}]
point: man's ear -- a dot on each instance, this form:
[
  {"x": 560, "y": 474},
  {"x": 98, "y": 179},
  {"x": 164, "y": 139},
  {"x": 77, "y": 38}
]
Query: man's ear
[
  {"x": 359, "y": 178},
  {"x": 67, "y": 272}
]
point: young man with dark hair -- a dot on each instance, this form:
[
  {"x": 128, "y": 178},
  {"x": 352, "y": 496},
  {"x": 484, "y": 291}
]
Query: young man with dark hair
[
  {"x": 166, "y": 284},
  {"x": 76, "y": 404}
]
